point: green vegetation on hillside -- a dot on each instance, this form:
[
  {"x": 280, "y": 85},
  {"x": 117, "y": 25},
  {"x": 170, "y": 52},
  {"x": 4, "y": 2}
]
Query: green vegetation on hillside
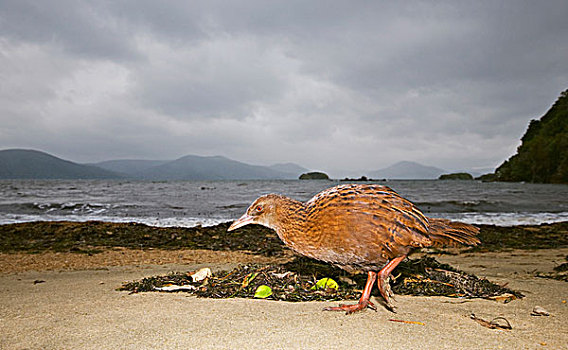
[{"x": 543, "y": 154}]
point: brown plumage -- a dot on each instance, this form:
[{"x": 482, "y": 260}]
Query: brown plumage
[{"x": 367, "y": 228}]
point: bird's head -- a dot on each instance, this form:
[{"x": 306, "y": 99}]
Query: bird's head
[{"x": 263, "y": 211}]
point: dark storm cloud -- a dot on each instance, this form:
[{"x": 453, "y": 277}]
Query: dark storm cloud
[
  {"x": 332, "y": 84},
  {"x": 79, "y": 27}
]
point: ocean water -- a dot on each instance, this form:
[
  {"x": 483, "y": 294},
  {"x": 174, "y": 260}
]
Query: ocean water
[{"x": 191, "y": 203}]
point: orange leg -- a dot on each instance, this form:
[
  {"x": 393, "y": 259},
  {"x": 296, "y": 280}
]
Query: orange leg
[
  {"x": 383, "y": 281},
  {"x": 364, "y": 301}
]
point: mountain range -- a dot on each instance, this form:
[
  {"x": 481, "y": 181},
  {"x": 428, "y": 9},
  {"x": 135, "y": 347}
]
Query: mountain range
[
  {"x": 28, "y": 164},
  {"x": 32, "y": 164},
  {"x": 406, "y": 170}
]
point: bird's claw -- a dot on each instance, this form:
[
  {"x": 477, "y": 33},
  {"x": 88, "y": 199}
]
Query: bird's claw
[
  {"x": 389, "y": 291},
  {"x": 391, "y": 307},
  {"x": 349, "y": 309}
]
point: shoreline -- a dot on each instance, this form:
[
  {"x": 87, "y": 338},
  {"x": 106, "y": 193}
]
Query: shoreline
[
  {"x": 68, "y": 299},
  {"x": 20, "y": 262},
  {"x": 83, "y": 309},
  {"x": 43, "y": 246}
]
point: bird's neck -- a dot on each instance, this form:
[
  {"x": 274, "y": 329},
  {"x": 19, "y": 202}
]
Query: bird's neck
[{"x": 291, "y": 217}]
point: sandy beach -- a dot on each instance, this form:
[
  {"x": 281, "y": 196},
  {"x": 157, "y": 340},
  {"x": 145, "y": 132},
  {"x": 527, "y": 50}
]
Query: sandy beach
[{"x": 70, "y": 307}]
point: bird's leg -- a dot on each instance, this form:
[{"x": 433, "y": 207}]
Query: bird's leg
[
  {"x": 383, "y": 281},
  {"x": 364, "y": 301}
]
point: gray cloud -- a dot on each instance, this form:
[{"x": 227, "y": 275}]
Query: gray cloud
[{"x": 330, "y": 85}]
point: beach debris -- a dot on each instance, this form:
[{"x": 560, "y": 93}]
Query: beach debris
[
  {"x": 176, "y": 288},
  {"x": 282, "y": 275},
  {"x": 498, "y": 322},
  {"x": 562, "y": 267},
  {"x": 201, "y": 274},
  {"x": 326, "y": 283},
  {"x": 559, "y": 276},
  {"x": 539, "y": 311},
  {"x": 407, "y": 322},
  {"x": 505, "y": 298},
  {"x": 263, "y": 291},
  {"x": 303, "y": 279},
  {"x": 39, "y": 281},
  {"x": 248, "y": 279},
  {"x": 347, "y": 280}
]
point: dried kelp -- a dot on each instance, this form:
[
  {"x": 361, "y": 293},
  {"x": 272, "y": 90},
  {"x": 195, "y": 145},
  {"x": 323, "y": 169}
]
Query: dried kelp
[
  {"x": 296, "y": 281},
  {"x": 498, "y": 322}
]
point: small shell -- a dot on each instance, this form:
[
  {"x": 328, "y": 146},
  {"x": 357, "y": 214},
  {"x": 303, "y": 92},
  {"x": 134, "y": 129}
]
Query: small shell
[
  {"x": 539, "y": 311},
  {"x": 175, "y": 288},
  {"x": 282, "y": 275},
  {"x": 201, "y": 274}
]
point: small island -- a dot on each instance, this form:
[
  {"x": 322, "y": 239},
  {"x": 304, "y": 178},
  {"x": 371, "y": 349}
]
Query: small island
[
  {"x": 362, "y": 178},
  {"x": 456, "y": 176},
  {"x": 314, "y": 175}
]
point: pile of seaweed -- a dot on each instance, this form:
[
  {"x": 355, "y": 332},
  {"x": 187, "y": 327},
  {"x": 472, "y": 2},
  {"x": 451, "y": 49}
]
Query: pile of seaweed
[{"x": 301, "y": 280}]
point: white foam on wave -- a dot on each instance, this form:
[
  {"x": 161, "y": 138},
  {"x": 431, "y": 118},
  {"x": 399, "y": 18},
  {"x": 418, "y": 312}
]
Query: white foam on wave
[
  {"x": 499, "y": 219},
  {"x": 505, "y": 219},
  {"x": 156, "y": 222}
]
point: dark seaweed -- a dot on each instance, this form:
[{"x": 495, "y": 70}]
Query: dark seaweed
[
  {"x": 294, "y": 281},
  {"x": 84, "y": 237},
  {"x": 90, "y": 237},
  {"x": 528, "y": 237}
]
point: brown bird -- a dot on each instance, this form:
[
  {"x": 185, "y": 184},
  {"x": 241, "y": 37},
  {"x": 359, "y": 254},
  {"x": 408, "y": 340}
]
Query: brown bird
[{"x": 367, "y": 228}]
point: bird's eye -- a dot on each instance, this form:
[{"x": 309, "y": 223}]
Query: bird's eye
[{"x": 259, "y": 209}]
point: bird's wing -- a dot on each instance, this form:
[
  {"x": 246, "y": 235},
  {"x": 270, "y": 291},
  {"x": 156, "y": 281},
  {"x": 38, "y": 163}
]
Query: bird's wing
[{"x": 368, "y": 216}]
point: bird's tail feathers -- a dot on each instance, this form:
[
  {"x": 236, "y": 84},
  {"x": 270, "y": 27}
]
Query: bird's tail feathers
[{"x": 444, "y": 232}]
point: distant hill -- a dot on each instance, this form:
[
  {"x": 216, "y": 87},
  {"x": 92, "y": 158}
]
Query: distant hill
[
  {"x": 30, "y": 164},
  {"x": 291, "y": 168},
  {"x": 407, "y": 170},
  {"x": 130, "y": 167},
  {"x": 210, "y": 168},
  {"x": 543, "y": 153}
]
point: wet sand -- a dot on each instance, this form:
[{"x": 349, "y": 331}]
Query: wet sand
[{"x": 76, "y": 308}]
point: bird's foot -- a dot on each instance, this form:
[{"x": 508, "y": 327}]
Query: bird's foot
[
  {"x": 390, "y": 306},
  {"x": 388, "y": 295},
  {"x": 349, "y": 309},
  {"x": 387, "y": 290}
]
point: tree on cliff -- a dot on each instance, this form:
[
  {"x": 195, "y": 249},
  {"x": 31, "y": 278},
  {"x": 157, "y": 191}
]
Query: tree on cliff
[{"x": 543, "y": 153}]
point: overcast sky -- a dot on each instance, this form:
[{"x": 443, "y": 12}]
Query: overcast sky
[{"x": 330, "y": 85}]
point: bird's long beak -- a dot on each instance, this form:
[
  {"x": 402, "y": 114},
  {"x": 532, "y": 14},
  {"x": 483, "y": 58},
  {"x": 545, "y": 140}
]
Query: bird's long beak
[{"x": 242, "y": 221}]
